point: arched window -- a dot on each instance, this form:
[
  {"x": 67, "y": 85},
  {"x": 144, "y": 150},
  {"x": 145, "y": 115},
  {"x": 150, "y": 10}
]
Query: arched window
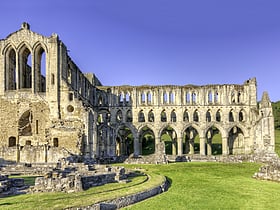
[
  {"x": 149, "y": 97},
  {"x": 121, "y": 98},
  {"x": 173, "y": 116},
  {"x": 12, "y": 141},
  {"x": 141, "y": 116},
  {"x": 127, "y": 98},
  {"x": 239, "y": 97},
  {"x": 195, "y": 116},
  {"x": 119, "y": 116},
  {"x": 165, "y": 98},
  {"x": 25, "y": 73},
  {"x": 210, "y": 99},
  {"x": 208, "y": 116},
  {"x": 186, "y": 116},
  {"x": 55, "y": 142},
  {"x": 233, "y": 97},
  {"x": 230, "y": 116},
  {"x": 188, "y": 98},
  {"x": 143, "y": 98},
  {"x": 40, "y": 69},
  {"x": 242, "y": 116},
  {"x": 194, "y": 98},
  {"x": 100, "y": 101},
  {"x": 129, "y": 116},
  {"x": 216, "y": 97},
  {"x": 11, "y": 70},
  {"x": 163, "y": 117},
  {"x": 151, "y": 117},
  {"x": 218, "y": 116},
  {"x": 172, "y": 98}
]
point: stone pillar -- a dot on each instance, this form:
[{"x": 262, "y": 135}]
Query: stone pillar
[
  {"x": 209, "y": 147},
  {"x": 202, "y": 145},
  {"x": 136, "y": 146},
  {"x": 225, "y": 146},
  {"x": 174, "y": 149},
  {"x": 180, "y": 145},
  {"x": 140, "y": 146},
  {"x": 187, "y": 146},
  {"x": 17, "y": 72},
  {"x": 157, "y": 141},
  {"x": 191, "y": 143}
]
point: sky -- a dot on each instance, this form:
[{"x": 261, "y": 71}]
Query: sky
[{"x": 160, "y": 42}]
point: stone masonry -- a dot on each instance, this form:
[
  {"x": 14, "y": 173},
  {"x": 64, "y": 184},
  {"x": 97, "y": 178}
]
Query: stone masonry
[{"x": 50, "y": 109}]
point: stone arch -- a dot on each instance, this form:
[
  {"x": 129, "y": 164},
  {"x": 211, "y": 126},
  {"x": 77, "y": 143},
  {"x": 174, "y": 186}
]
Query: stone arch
[
  {"x": 165, "y": 97},
  {"x": 219, "y": 115},
  {"x": 214, "y": 140},
  {"x": 173, "y": 116},
  {"x": 10, "y": 69},
  {"x": 208, "y": 116},
  {"x": 163, "y": 116},
  {"x": 151, "y": 116},
  {"x": 172, "y": 97},
  {"x": 191, "y": 139},
  {"x": 146, "y": 140},
  {"x": 127, "y": 97},
  {"x": 149, "y": 97},
  {"x": 242, "y": 115},
  {"x": 210, "y": 97},
  {"x": 188, "y": 97},
  {"x": 119, "y": 116},
  {"x": 40, "y": 65},
  {"x": 125, "y": 140},
  {"x": 231, "y": 116},
  {"x": 186, "y": 117},
  {"x": 25, "y": 124},
  {"x": 216, "y": 97},
  {"x": 196, "y": 116},
  {"x": 129, "y": 117},
  {"x": 236, "y": 141},
  {"x": 25, "y": 66},
  {"x": 141, "y": 116},
  {"x": 143, "y": 97},
  {"x": 169, "y": 136}
]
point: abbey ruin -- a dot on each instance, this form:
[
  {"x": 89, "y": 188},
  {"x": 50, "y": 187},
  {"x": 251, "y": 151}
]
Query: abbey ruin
[{"x": 50, "y": 109}]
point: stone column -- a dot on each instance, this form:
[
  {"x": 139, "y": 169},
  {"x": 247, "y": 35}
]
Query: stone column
[
  {"x": 180, "y": 145},
  {"x": 225, "y": 146},
  {"x": 202, "y": 145},
  {"x": 209, "y": 147},
  {"x": 136, "y": 146},
  {"x": 191, "y": 143},
  {"x": 174, "y": 149}
]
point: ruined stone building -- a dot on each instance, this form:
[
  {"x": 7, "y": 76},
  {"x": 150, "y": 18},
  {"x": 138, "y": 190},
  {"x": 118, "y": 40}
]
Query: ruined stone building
[{"x": 50, "y": 109}]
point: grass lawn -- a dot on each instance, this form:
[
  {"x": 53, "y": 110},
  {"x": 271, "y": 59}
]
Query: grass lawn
[{"x": 212, "y": 186}]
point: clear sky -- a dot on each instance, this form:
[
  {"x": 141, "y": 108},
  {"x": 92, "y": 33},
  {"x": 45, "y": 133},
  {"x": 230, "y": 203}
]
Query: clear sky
[{"x": 155, "y": 42}]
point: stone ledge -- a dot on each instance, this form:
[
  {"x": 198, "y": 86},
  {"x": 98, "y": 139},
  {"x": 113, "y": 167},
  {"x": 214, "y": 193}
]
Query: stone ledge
[{"x": 127, "y": 200}]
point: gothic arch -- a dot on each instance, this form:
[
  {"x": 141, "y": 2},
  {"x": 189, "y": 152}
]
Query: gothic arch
[{"x": 10, "y": 69}]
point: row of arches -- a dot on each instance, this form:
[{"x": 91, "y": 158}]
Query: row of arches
[
  {"x": 211, "y": 96},
  {"x": 25, "y": 67},
  {"x": 191, "y": 142},
  {"x": 188, "y": 116}
]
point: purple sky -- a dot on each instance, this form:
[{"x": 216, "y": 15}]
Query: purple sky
[{"x": 162, "y": 41}]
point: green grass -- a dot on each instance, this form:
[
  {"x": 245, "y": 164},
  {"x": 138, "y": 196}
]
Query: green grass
[
  {"x": 88, "y": 197},
  {"x": 212, "y": 186}
]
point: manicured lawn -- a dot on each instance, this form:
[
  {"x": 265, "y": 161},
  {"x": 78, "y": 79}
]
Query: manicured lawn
[{"x": 212, "y": 186}]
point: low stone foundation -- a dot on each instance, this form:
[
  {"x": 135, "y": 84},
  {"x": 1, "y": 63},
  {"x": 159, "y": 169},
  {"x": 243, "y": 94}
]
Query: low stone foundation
[
  {"x": 11, "y": 186},
  {"x": 126, "y": 200}
]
